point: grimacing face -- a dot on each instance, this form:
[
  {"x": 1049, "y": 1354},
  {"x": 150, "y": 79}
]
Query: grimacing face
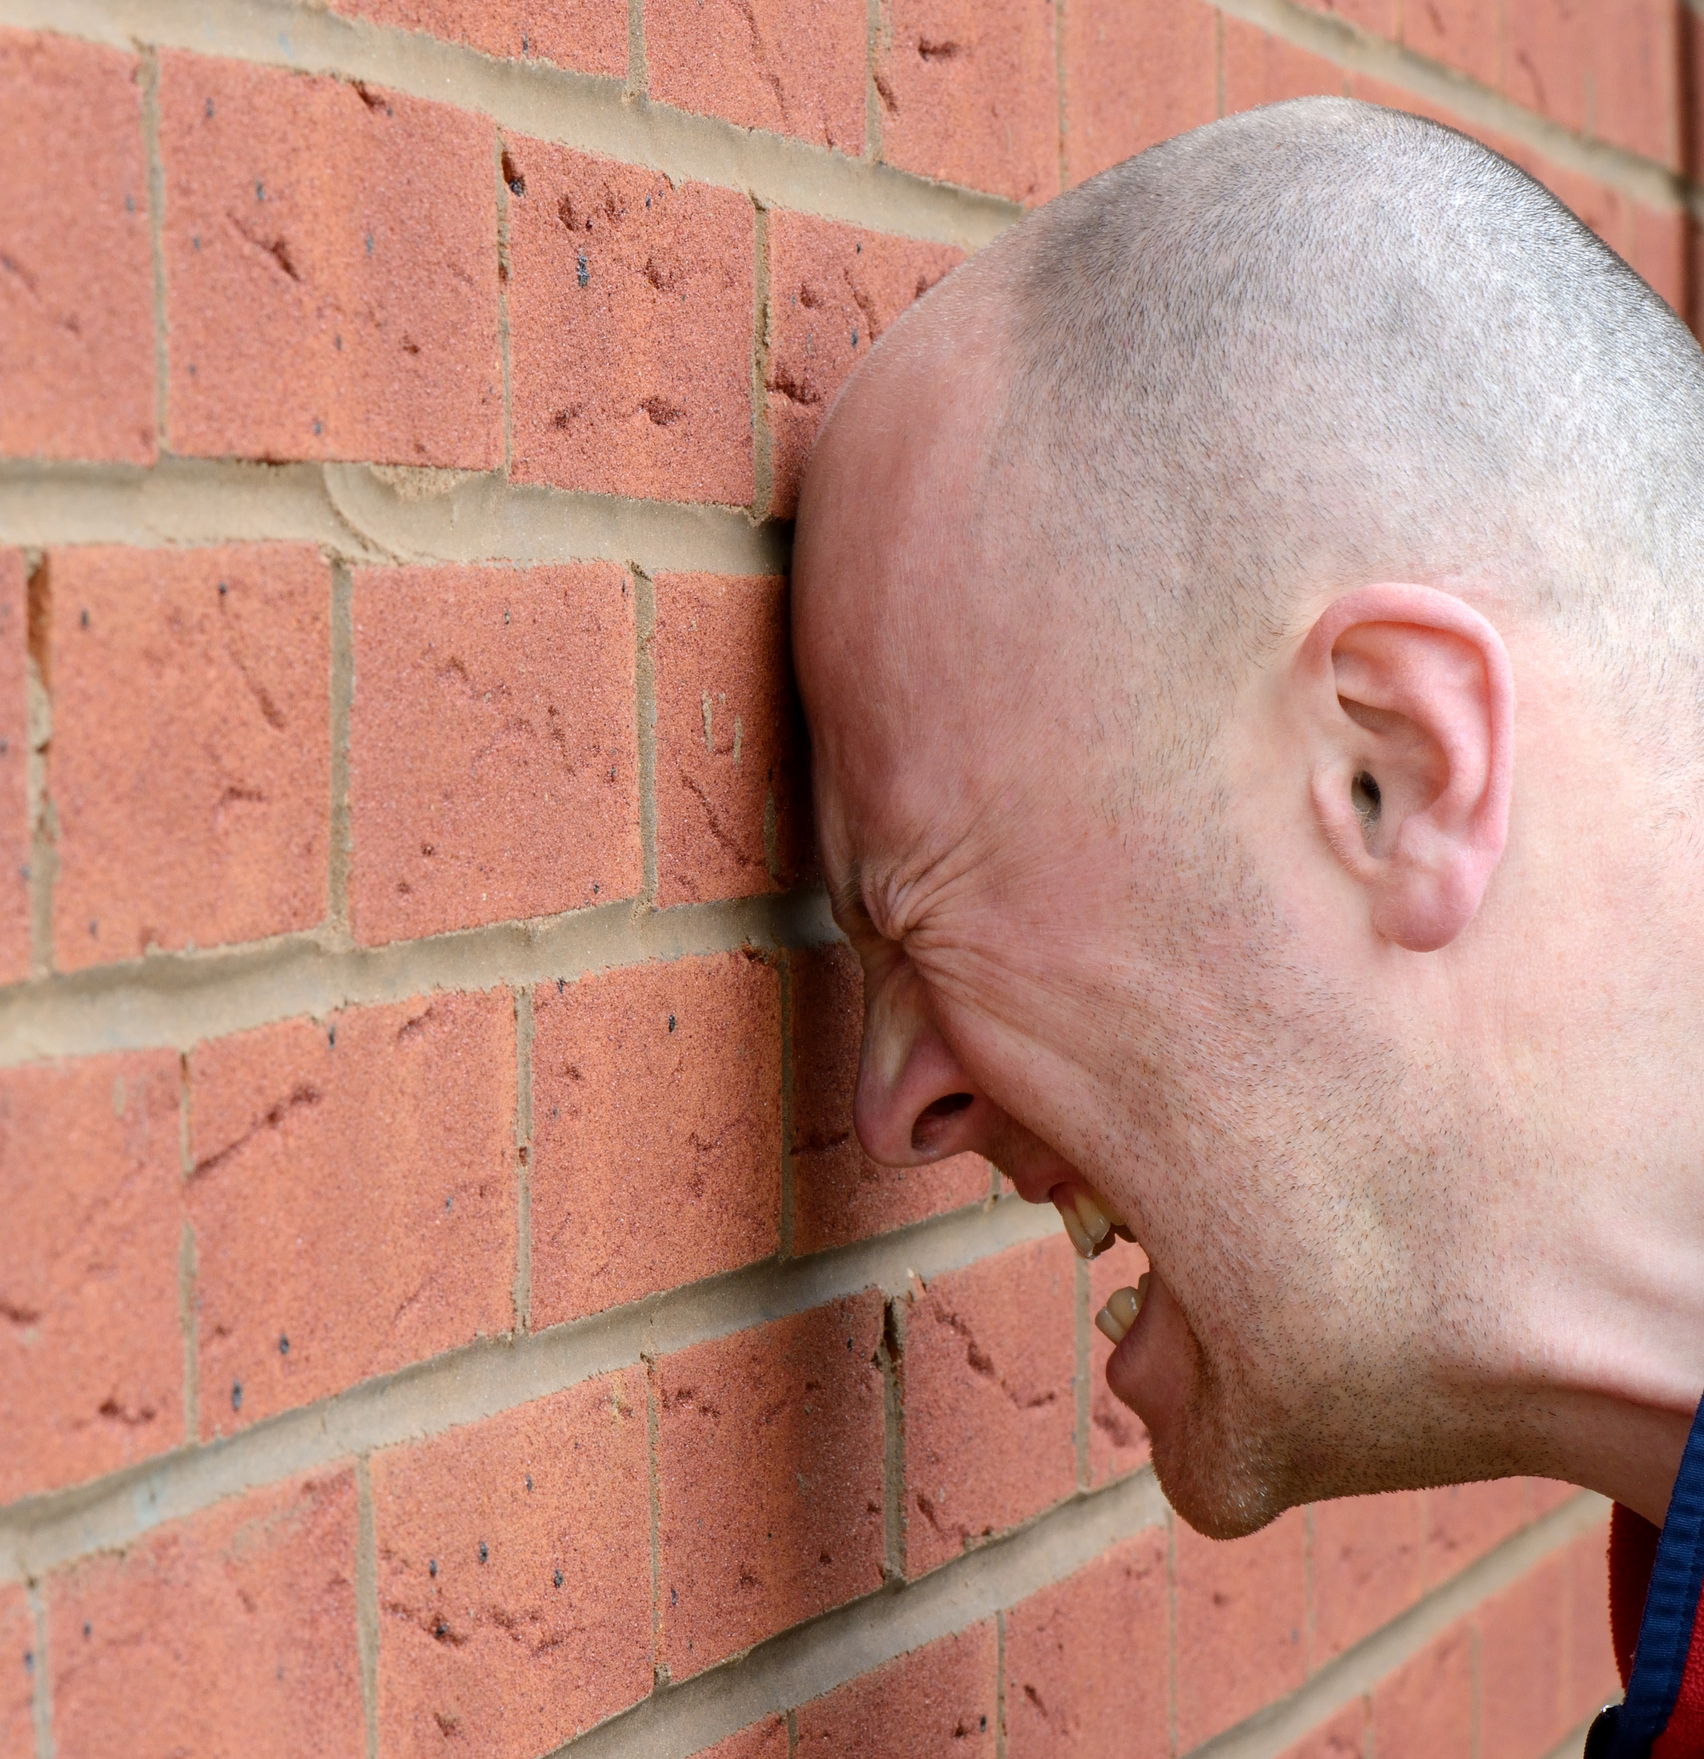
[{"x": 1115, "y": 1005}]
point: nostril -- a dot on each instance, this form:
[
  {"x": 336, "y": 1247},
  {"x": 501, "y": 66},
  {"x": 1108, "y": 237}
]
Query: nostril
[{"x": 936, "y": 1113}]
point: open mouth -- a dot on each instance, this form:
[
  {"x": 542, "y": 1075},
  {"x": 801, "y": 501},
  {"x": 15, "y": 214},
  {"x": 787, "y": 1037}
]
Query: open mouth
[{"x": 1093, "y": 1228}]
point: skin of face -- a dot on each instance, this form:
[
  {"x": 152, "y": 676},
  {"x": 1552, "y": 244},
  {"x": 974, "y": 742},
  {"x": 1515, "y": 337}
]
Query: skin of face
[{"x": 1400, "y": 1102}]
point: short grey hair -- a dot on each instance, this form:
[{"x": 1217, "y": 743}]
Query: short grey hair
[{"x": 1327, "y": 341}]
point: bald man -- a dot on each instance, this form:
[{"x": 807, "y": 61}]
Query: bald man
[{"x": 1250, "y": 627}]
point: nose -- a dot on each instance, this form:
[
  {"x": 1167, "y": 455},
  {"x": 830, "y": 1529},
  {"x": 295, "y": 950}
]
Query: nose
[{"x": 915, "y": 1103}]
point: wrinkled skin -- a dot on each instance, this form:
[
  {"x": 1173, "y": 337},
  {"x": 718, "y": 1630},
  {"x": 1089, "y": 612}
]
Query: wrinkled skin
[{"x": 1414, "y": 1156}]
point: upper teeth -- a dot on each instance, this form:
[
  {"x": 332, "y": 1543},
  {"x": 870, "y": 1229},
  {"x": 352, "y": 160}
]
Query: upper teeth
[{"x": 1091, "y": 1229}]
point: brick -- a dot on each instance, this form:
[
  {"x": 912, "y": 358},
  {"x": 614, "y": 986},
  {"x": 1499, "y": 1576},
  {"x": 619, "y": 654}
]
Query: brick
[
  {"x": 839, "y": 1193},
  {"x": 14, "y": 769},
  {"x": 989, "y": 1360},
  {"x": 1548, "y": 57},
  {"x": 493, "y": 746},
  {"x": 1264, "y": 70},
  {"x": 1634, "y": 76},
  {"x": 17, "y": 1674},
  {"x": 937, "y": 1699},
  {"x": 1136, "y": 72},
  {"x": 1378, "y": 18},
  {"x": 1369, "y": 1565},
  {"x": 1523, "y": 1650},
  {"x": 1661, "y": 248},
  {"x": 732, "y": 782},
  {"x": 968, "y": 93},
  {"x": 191, "y": 759},
  {"x": 767, "y": 64},
  {"x": 1462, "y": 34},
  {"x": 76, "y": 269},
  {"x": 1344, "y": 1737},
  {"x": 1591, "y": 1679},
  {"x": 833, "y": 290},
  {"x": 763, "y": 1740},
  {"x": 1118, "y": 1441},
  {"x": 769, "y": 1479},
  {"x": 589, "y": 36},
  {"x": 1425, "y": 1707},
  {"x": 631, "y": 305},
  {"x": 1240, "y": 1610},
  {"x": 353, "y": 1198},
  {"x": 1087, "y": 1661},
  {"x": 514, "y": 1575},
  {"x": 1545, "y": 1494},
  {"x": 230, "y": 1632},
  {"x": 348, "y": 231},
  {"x": 656, "y": 1129},
  {"x": 1464, "y": 1521},
  {"x": 91, "y": 1356}
]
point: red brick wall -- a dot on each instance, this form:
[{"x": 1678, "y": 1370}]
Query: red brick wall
[{"x": 444, "y": 1308}]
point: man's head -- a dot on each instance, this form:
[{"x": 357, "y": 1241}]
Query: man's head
[{"x": 1247, "y": 626}]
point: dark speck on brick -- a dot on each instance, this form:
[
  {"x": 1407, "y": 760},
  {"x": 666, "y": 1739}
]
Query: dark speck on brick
[
  {"x": 84, "y": 618},
  {"x": 195, "y": 240},
  {"x": 483, "y": 1553},
  {"x": 671, "y": 1023},
  {"x": 584, "y": 274},
  {"x": 224, "y": 587},
  {"x": 432, "y": 1566},
  {"x": 331, "y": 1038},
  {"x": 369, "y": 244},
  {"x": 260, "y": 192},
  {"x": 130, "y": 204},
  {"x": 317, "y": 428},
  {"x": 283, "y": 1345},
  {"x": 449, "y": 1202},
  {"x": 209, "y": 109},
  {"x": 558, "y": 1578},
  {"x": 236, "y": 1395},
  {"x": 88, "y": 1629},
  {"x": 529, "y": 1481}
]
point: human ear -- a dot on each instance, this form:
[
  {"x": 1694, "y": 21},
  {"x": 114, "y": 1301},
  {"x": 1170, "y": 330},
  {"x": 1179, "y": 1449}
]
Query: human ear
[{"x": 1411, "y": 703}]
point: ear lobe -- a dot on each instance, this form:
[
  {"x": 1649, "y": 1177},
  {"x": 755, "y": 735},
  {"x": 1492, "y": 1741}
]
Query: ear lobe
[{"x": 1414, "y": 744}]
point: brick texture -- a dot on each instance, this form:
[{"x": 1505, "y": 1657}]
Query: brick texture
[
  {"x": 76, "y": 275},
  {"x": 1462, "y": 34},
  {"x": 1369, "y": 1564},
  {"x": 350, "y": 231},
  {"x": 989, "y": 1413},
  {"x": 494, "y": 760},
  {"x": 630, "y": 321},
  {"x": 772, "y": 64},
  {"x": 833, "y": 290},
  {"x": 1425, "y": 1707},
  {"x": 937, "y": 1699},
  {"x": 191, "y": 759},
  {"x": 589, "y": 36},
  {"x": 1344, "y": 1737},
  {"x": 91, "y": 1356},
  {"x": 230, "y": 1632},
  {"x": 1118, "y": 1443},
  {"x": 969, "y": 93},
  {"x": 733, "y": 795},
  {"x": 769, "y": 1480},
  {"x": 14, "y": 770},
  {"x": 513, "y": 1579},
  {"x": 1523, "y": 1648},
  {"x": 1088, "y": 1661},
  {"x": 1241, "y": 1611},
  {"x": 1136, "y": 73},
  {"x": 1264, "y": 70},
  {"x": 839, "y": 1193},
  {"x": 1464, "y": 1521},
  {"x": 17, "y": 1673},
  {"x": 763, "y": 1740},
  {"x": 630, "y": 1199},
  {"x": 353, "y": 1197}
]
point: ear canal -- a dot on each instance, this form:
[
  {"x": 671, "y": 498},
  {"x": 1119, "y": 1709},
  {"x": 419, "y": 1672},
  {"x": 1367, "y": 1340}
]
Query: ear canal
[{"x": 1366, "y": 798}]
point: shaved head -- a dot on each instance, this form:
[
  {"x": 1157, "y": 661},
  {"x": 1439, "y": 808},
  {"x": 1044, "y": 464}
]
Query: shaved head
[{"x": 1243, "y": 514}]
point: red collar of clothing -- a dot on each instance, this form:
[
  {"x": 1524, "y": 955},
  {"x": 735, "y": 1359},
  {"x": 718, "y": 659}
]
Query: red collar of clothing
[{"x": 1632, "y": 1551}]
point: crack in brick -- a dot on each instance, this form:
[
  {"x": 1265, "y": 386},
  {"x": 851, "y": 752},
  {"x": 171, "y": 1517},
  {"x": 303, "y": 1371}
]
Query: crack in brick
[
  {"x": 272, "y": 1119},
  {"x": 276, "y": 248},
  {"x": 693, "y": 786},
  {"x": 15, "y": 1313},
  {"x": 795, "y": 390},
  {"x": 663, "y": 413},
  {"x": 944, "y": 51}
]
